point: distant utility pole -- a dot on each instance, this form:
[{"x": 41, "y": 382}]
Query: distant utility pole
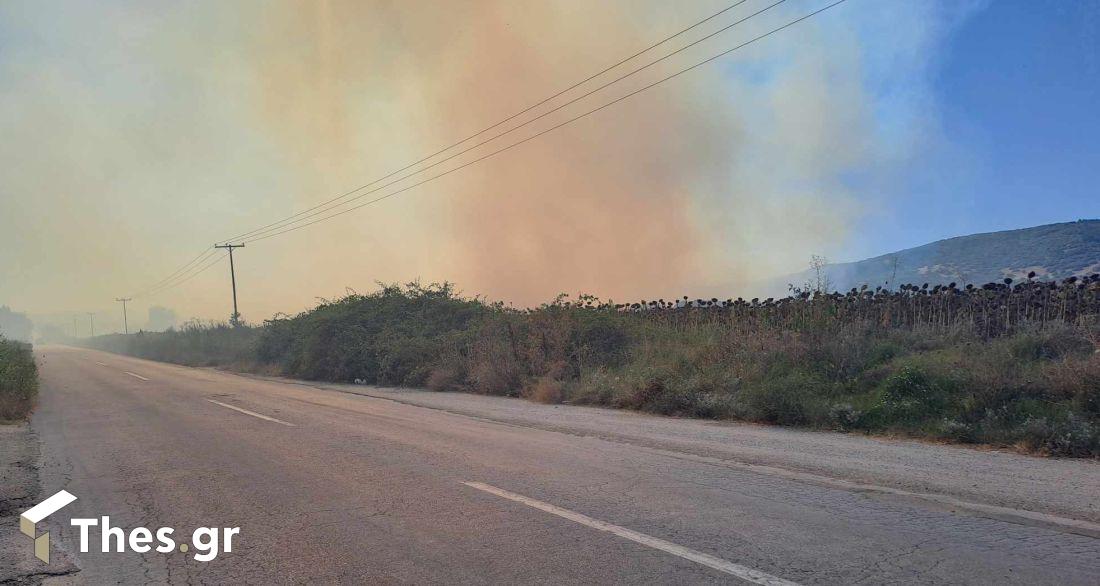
[
  {"x": 236, "y": 317},
  {"x": 91, "y": 324},
  {"x": 125, "y": 322},
  {"x": 74, "y": 327}
]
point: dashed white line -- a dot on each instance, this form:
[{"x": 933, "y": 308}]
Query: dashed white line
[
  {"x": 135, "y": 375},
  {"x": 743, "y": 572},
  {"x": 100, "y": 363},
  {"x": 252, "y": 413}
]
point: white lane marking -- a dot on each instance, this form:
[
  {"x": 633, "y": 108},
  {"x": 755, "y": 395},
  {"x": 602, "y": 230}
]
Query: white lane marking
[
  {"x": 252, "y": 413},
  {"x": 135, "y": 375},
  {"x": 100, "y": 363},
  {"x": 742, "y": 572}
]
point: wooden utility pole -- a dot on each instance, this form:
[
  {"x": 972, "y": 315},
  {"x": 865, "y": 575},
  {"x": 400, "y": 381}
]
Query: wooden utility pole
[
  {"x": 236, "y": 317},
  {"x": 91, "y": 324},
  {"x": 125, "y": 322}
]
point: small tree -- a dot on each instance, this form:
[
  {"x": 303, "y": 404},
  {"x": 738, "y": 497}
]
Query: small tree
[{"x": 820, "y": 282}]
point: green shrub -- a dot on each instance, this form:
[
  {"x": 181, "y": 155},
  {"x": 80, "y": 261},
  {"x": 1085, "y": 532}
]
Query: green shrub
[
  {"x": 795, "y": 398},
  {"x": 818, "y": 361},
  {"x": 18, "y": 380},
  {"x": 598, "y": 386},
  {"x": 910, "y": 397},
  {"x": 1070, "y": 435},
  {"x": 844, "y": 416},
  {"x": 958, "y": 431}
]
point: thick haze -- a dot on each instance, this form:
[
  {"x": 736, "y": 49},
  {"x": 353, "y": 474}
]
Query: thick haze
[{"x": 136, "y": 136}]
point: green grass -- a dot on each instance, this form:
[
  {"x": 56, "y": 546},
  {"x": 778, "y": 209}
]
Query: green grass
[
  {"x": 945, "y": 385},
  {"x": 18, "y": 380},
  {"x": 819, "y": 363}
]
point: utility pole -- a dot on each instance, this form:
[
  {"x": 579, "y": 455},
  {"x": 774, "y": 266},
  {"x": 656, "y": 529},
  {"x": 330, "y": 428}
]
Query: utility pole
[
  {"x": 74, "y": 327},
  {"x": 91, "y": 324},
  {"x": 125, "y": 322},
  {"x": 235, "y": 319}
]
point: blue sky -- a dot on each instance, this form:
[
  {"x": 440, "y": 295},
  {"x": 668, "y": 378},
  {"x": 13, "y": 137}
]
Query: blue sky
[{"x": 1017, "y": 88}]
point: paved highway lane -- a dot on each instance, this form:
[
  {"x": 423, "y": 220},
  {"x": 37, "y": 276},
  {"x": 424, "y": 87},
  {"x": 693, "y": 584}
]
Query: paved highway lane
[{"x": 330, "y": 486}]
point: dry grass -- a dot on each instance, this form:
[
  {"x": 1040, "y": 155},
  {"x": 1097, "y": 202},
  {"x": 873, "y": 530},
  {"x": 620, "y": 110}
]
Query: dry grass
[
  {"x": 444, "y": 378},
  {"x": 545, "y": 390}
]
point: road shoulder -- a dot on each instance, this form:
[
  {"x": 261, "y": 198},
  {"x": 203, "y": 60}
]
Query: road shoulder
[
  {"x": 19, "y": 490},
  {"x": 1053, "y": 492}
]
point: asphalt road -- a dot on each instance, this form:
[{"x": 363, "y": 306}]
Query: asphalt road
[{"x": 331, "y": 486}]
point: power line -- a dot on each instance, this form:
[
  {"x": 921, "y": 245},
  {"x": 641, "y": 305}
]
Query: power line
[
  {"x": 184, "y": 278},
  {"x": 291, "y": 219},
  {"x": 181, "y": 275},
  {"x": 551, "y": 129},
  {"x": 198, "y": 272},
  {"x": 150, "y": 288}
]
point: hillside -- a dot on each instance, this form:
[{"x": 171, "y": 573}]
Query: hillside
[{"x": 1053, "y": 251}]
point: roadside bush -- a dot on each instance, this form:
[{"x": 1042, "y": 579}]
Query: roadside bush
[
  {"x": 1077, "y": 381},
  {"x": 545, "y": 390},
  {"x": 1069, "y": 435},
  {"x": 959, "y": 431},
  {"x": 18, "y": 380},
  {"x": 194, "y": 344},
  {"x": 791, "y": 399},
  {"x": 999, "y": 364},
  {"x": 844, "y": 416},
  {"x": 911, "y": 396},
  {"x": 598, "y": 386},
  {"x": 444, "y": 378}
]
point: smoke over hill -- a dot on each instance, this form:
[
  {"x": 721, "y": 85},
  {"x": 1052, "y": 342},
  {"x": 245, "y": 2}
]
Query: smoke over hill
[{"x": 1054, "y": 251}]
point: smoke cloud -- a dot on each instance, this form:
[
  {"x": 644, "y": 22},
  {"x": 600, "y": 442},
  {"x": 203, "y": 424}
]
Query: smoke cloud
[{"x": 153, "y": 133}]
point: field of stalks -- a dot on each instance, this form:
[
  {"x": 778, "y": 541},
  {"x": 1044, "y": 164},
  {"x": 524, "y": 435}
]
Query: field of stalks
[
  {"x": 1010, "y": 364},
  {"x": 18, "y": 380}
]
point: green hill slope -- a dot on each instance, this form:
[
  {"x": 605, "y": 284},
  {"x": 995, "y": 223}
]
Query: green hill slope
[{"x": 1053, "y": 251}]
